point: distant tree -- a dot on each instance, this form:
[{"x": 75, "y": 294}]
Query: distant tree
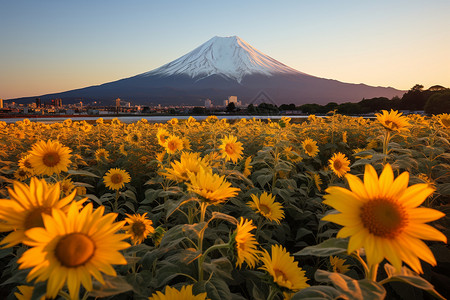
[
  {"x": 311, "y": 108},
  {"x": 438, "y": 103},
  {"x": 330, "y": 106},
  {"x": 349, "y": 108},
  {"x": 414, "y": 99},
  {"x": 375, "y": 104},
  {"x": 251, "y": 109},
  {"x": 199, "y": 110},
  {"x": 437, "y": 88},
  {"x": 287, "y": 106},
  {"x": 231, "y": 107},
  {"x": 267, "y": 108}
]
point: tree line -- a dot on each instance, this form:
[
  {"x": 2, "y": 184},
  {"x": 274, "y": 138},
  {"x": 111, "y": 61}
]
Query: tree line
[{"x": 435, "y": 100}]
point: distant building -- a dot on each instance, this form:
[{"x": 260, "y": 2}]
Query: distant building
[
  {"x": 1, "y": 103},
  {"x": 118, "y": 102},
  {"x": 38, "y": 102},
  {"x": 57, "y": 102},
  {"x": 232, "y": 99},
  {"x": 208, "y": 103}
]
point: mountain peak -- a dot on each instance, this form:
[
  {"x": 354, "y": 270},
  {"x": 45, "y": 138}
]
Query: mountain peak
[{"x": 230, "y": 57}]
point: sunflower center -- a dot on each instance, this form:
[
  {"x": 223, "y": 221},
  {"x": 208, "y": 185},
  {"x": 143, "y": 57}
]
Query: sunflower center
[
  {"x": 383, "y": 218},
  {"x": 279, "y": 273},
  {"x": 264, "y": 208},
  {"x": 74, "y": 250},
  {"x": 22, "y": 173},
  {"x": 337, "y": 164},
  {"x": 445, "y": 122},
  {"x": 27, "y": 164},
  {"x": 34, "y": 218},
  {"x": 51, "y": 159},
  {"x": 171, "y": 145},
  {"x": 391, "y": 124},
  {"x": 138, "y": 228},
  {"x": 116, "y": 178},
  {"x": 308, "y": 148},
  {"x": 229, "y": 149}
]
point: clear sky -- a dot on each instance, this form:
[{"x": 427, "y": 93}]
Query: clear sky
[{"x": 50, "y": 46}]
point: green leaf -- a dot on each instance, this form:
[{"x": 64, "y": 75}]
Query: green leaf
[
  {"x": 264, "y": 179},
  {"x": 353, "y": 289},
  {"x": 82, "y": 173},
  {"x": 217, "y": 289},
  {"x": 409, "y": 277},
  {"x": 318, "y": 292},
  {"x": 112, "y": 286},
  {"x": 330, "y": 247}
]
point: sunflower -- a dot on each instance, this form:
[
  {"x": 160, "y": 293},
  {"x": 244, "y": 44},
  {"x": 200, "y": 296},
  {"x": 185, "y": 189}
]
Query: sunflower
[
  {"x": 49, "y": 157},
  {"x": 393, "y": 120},
  {"x": 115, "y": 179},
  {"x": 310, "y": 147},
  {"x": 24, "y": 163},
  {"x": 26, "y": 207},
  {"x": 101, "y": 154},
  {"x": 247, "y": 167},
  {"x": 339, "y": 164},
  {"x": 344, "y": 137},
  {"x": 173, "y": 294},
  {"x": 245, "y": 244},
  {"x": 122, "y": 150},
  {"x": 284, "y": 270},
  {"x": 22, "y": 174},
  {"x": 317, "y": 181},
  {"x": 212, "y": 187},
  {"x": 173, "y": 121},
  {"x": 338, "y": 265},
  {"x": 444, "y": 119},
  {"x": 162, "y": 135},
  {"x": 80, "y": 190},
  {"x": 266, "y": 206},
  {"x": 231, "y": 149},
  {"x": 72, "y": 247},
  {"x": 67, "y": 186},
  {"x": 134, "y": 137},
  {"x": 382, "y": 216},
  {"x": 188, "y": 163},
  {"x": 173, "y": 144},
  {"x": 139, "y": 227}
]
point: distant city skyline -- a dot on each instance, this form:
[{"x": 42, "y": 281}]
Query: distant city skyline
[{"x": 50, "y": 46}]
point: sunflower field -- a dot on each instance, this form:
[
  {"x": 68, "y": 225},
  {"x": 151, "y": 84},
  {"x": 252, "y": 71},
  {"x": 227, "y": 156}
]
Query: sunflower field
[{"x": 332, "y": 207}]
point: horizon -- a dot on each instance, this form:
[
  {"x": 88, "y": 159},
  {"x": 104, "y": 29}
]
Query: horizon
[{"x": 378, "y": 44}]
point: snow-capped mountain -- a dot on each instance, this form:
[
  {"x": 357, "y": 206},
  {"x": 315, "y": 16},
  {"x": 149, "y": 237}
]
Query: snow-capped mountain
[
  {"x": 229, "y": 57},
  {"x": 222, "y": 67}
]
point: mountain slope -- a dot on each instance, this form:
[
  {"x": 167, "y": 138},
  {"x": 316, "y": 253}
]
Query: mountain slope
[{"x": 221, "y": 67}]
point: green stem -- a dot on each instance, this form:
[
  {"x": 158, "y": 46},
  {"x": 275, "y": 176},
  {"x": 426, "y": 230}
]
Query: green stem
[
  {"x": 272, "y": 294},
  {"x": 64, "y": 295},
  {"x": 362, "y": 262},
  {"x": 116, "y": 204},
  {"x": 373, "y": 272},
  {"x": 387, "y": 137},
  {"x": 204, "y": 255}
]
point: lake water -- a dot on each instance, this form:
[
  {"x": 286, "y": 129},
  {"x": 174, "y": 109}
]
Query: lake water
[{"x": 132, "y": 119}]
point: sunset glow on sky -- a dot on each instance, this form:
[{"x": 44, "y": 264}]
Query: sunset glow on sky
[{"x": 53, "y": 46}]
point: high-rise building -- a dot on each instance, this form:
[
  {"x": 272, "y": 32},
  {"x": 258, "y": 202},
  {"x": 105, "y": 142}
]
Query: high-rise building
[
  {"x": 118, "y": 102},
  {"x": 1, "y": 103},
  {"x": 208, "y": 103},
  {"x": 38, "y": 102}
]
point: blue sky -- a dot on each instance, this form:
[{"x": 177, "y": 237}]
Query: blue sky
[{"x": 50, "y": 46}]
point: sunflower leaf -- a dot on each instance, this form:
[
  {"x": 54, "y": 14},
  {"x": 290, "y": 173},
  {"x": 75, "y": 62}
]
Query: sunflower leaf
[
  {"x": 82, "y": 173},
  {"x": 330, "y": 247},
  {"x": 351, "y": 288}
]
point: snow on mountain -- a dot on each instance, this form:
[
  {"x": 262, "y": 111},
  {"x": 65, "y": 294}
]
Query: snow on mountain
[{"x": 230, "y": 57}]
